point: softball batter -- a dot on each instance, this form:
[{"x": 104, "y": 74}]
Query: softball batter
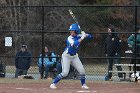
[{"x": 70, "y": 56}]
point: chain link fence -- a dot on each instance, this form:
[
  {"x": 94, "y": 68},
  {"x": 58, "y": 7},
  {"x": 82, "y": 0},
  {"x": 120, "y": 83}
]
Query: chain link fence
[{"x": 37, "y": 26}]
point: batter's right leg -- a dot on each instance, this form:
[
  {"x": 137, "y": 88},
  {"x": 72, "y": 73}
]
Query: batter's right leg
[{"x": 65, "y": 70}]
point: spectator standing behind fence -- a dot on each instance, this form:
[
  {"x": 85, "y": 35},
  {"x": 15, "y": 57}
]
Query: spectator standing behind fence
[
  {"x": 22, "y": 61},
  {"x": 112, "y": 49},
  {"x": 49, "y": 62},
  {"x": 135, "y": 47}
]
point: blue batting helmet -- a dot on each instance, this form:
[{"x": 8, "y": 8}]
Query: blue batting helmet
[{"x": 75, "y": 27}]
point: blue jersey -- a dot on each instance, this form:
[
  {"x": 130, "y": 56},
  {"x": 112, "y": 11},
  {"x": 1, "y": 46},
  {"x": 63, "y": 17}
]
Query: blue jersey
[{"x": 72, "y": 44}]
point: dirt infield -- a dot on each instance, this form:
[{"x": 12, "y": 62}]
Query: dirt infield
[{"x": 66, "y": 86}]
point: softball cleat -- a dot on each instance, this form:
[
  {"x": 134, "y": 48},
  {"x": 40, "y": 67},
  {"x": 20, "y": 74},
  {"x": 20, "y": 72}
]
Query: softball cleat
[
  {"x": 85, "y": 86},
  {"x": 53, "y": 86}
]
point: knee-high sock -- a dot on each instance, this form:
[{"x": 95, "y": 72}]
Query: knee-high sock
[
  {"x": 82, "y": 78},
  {"x": 57, "y": 79}
]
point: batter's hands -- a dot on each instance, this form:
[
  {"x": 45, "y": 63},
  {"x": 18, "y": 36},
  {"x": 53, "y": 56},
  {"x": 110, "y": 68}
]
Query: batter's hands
[
  {"x": 83, "y": 32},
  {"x": 84, "y": 35}
]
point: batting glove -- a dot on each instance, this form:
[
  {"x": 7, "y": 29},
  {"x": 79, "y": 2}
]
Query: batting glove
[
  {"x": 83, "y": 36},
  {"x": 83, "y": 32}
]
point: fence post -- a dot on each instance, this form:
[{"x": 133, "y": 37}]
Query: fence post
[
  {"x": 43, "y": 53},
  {"x": 135, "y": 41}
]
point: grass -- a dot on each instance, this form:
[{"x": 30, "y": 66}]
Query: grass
[
  {"x": 11, "y": 69},
  {"x": 90, "y": 69},
  {"x": 96, "y": 69}
]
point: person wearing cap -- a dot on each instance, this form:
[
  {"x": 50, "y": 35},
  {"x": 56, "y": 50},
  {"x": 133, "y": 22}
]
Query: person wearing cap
[
  {"x": 70, "y": 55},
  {"x": 22, "y": 61}
]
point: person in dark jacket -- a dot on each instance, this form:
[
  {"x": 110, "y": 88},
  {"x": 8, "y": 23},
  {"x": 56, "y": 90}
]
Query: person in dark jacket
[
  {"x": 112, "y": 49},
  {"x": 22, "y": 61}
]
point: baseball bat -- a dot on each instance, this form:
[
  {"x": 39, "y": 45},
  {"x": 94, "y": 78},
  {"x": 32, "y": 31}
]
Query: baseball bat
[
  {"x": 73, "y": 16},
  {"x": 75, "y": 19}
]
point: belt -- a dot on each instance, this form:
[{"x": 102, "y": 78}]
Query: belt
[{"x": 71, "y": 54}]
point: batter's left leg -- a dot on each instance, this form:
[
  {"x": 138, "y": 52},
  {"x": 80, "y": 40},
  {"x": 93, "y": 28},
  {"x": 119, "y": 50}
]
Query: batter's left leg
[{"x": 78, "y": 65}]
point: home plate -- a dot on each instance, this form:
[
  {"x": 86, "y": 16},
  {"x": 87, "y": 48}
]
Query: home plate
[{"x": 86, "y": 91}]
